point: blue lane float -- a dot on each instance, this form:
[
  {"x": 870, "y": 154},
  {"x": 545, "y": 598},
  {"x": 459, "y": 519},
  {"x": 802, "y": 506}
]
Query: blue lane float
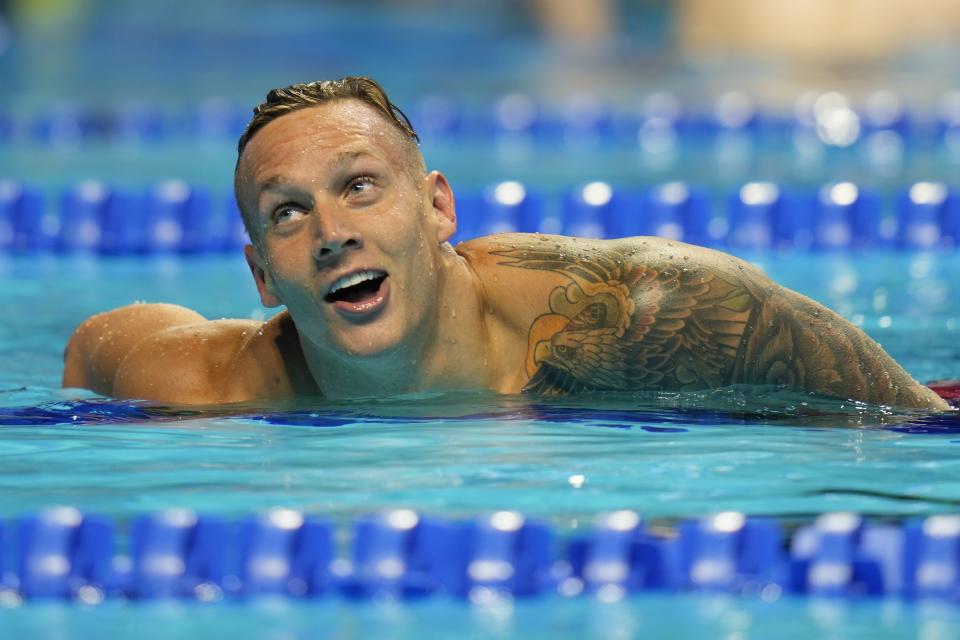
[
  {"x": 846, "y": 216},
  {"x": 678, "y": 211},
  {"x": 82, "y": 212},
  {"x": 929, "y": 216},
  {"x": 63, "y": 554},
  {"x": 576, "y": 121},
  {"x": 24, "y": 225},
  {"x": 97, "y": 218},
  {"x": 761, "y": 216},
  {"x": 502, "y": 207},
  {"x": 176, "y": 217},
  {"x": 587, "y": 209}
]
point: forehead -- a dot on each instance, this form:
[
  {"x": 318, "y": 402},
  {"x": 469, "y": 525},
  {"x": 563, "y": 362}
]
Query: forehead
[{"x": 292, "y": 145}]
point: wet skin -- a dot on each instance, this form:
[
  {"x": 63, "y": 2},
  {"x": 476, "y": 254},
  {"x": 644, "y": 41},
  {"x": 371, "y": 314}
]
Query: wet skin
[
  {"x": 334, "y": 197},
  {"x": 352, "y": 237}
]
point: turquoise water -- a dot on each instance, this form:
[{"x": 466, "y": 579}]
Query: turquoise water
[
  {"x": 667, "y": 456},
  {"x": 652, "y": 616},
  {"x": 464, "y": 454},
  {"x": 565, "y": 462}
]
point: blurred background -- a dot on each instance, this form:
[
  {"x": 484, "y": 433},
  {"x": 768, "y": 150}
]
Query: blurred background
[
  {"x": 177, "y": 52},
  {"x": 551, "y": 94}
]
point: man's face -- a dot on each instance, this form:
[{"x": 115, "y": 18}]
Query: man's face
[{"x": 349, "y": 230}]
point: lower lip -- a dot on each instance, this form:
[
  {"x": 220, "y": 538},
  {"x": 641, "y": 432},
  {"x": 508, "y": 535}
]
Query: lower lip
[{"x": 366, "y": 307}]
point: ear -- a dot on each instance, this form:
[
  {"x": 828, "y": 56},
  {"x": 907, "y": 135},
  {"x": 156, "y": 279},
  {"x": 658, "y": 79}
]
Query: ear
[
  {"x": 256, "y": 263},
  {"x": 442, "y": 203}
]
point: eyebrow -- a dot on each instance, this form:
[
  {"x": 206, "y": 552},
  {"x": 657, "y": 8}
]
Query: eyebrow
[
  {"x": 280, "y": 181},
  {"x": 275, "y": 182}
]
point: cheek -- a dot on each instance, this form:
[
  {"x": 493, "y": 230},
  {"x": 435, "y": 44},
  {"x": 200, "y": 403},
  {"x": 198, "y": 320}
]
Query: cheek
[
  {"x": 401, "y": 223},
  {"x": 286, "y": 260}
]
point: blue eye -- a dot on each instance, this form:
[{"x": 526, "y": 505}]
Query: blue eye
[
  {"x": 360, "y": 184},
  {"x": 287, "y": 213}
]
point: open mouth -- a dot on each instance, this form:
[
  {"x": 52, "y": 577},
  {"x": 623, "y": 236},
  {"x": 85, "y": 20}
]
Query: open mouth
[{"x": 357, "y": 289}]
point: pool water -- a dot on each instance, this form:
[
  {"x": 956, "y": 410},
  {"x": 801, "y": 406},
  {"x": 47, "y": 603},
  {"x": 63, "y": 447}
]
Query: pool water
[
  {"x": 666, "y": 456},
  {"x": 564, "y": 461},
  {"x": 655, "y": 616}
]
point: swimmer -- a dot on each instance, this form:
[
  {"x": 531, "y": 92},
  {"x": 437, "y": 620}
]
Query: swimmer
[{"x": 350, "y": 233}]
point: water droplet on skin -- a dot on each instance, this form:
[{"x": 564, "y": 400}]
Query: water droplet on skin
[{"x": 453, "y": 313}]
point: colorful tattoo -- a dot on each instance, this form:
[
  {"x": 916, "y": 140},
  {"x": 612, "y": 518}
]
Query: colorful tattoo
[{"x": 621, "y": 325}]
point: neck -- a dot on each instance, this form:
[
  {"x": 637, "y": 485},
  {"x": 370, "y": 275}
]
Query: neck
[{"x": 448, "y": 351}]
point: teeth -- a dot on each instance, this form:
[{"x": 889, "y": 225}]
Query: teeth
[{"x": 355, "y": 279}]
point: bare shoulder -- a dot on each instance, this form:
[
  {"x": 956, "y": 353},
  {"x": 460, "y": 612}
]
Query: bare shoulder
[
  {"x": 102, "y": 341},
  {"x": 543, "y": 250},
  {"x": 649, "y": 313},
  {"x": 215, "y": 362},
  {"x": 185, "y": 363},
  {"x": 516, "y": 270},
  {"x": 518, "y": 295}
]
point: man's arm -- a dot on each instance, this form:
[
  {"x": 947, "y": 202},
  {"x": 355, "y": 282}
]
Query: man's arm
[
  {"x": 102, "y": 342},
  {"x": 798, "y": 343},
  {"x": 643, "y": 313},
  {"x": 171, "y": 354}
]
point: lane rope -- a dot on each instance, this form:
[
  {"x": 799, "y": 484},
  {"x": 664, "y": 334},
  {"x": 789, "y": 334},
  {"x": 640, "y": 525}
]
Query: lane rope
[{"x": 61, "y": 553}]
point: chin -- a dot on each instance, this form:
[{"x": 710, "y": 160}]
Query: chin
[{"x": 371, "y": 341}]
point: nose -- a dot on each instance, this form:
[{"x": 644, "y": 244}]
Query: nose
[{"x": 335, "y": 234}]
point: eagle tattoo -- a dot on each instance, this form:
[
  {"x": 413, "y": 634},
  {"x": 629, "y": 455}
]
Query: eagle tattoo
[{"x": 619, "y": 325}]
